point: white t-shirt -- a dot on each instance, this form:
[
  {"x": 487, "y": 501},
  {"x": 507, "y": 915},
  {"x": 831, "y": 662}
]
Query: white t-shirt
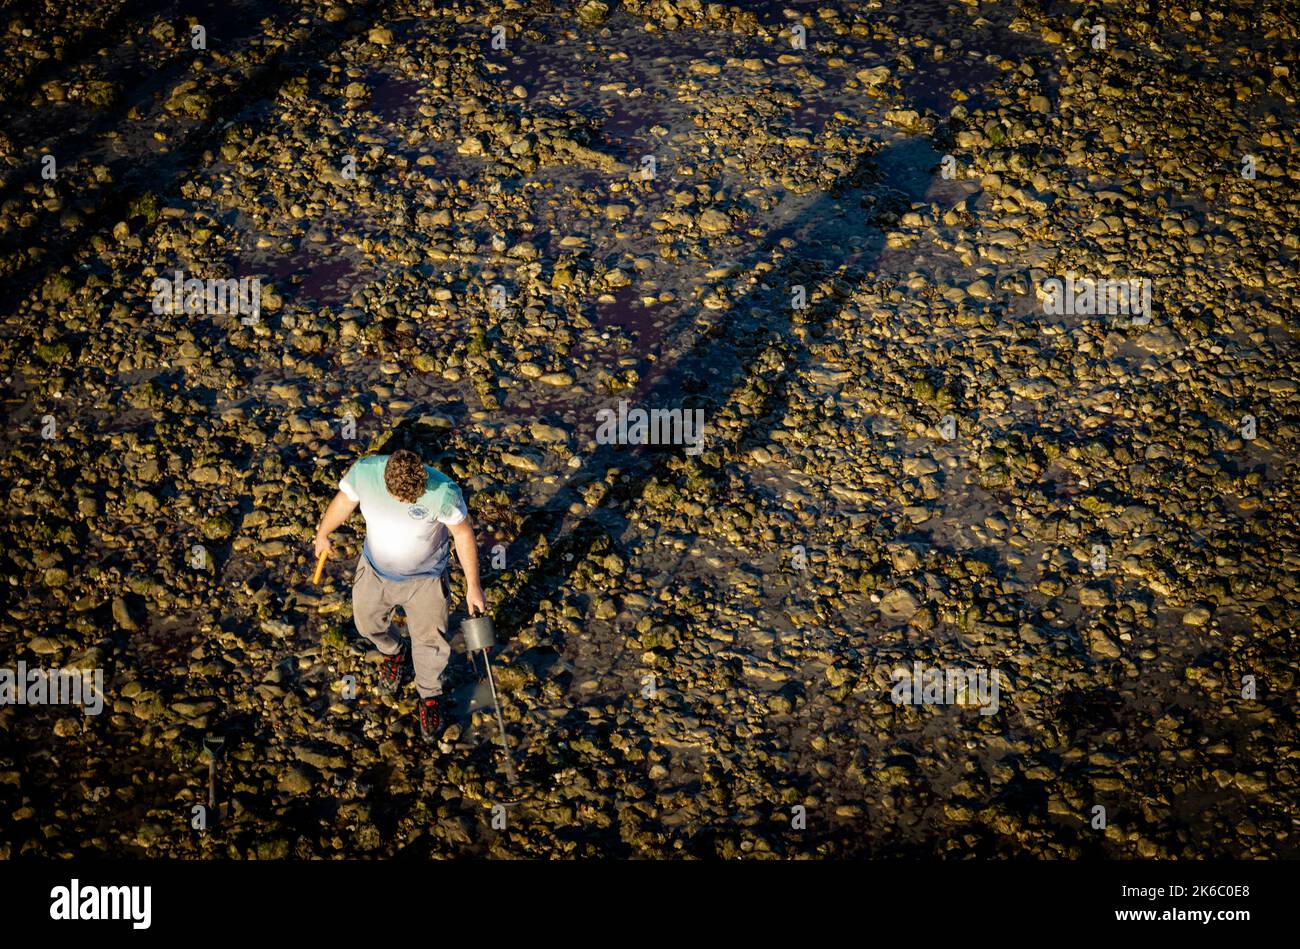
[{"x": 404, "y": 541}]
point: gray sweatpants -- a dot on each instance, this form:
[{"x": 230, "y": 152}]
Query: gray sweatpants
[{"x": 424, "y": 601}]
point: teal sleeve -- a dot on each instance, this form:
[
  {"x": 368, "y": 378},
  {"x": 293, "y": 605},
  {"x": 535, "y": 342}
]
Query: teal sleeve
[
  {"x": 452, "y": 510},
  {"x": 348, "y": 484}
]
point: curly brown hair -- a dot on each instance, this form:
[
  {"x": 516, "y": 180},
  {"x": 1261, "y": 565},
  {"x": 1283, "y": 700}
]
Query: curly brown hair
[{"x": 404, "y": 475}]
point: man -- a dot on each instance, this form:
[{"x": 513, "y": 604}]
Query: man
[{"x": 409, "y": 510}]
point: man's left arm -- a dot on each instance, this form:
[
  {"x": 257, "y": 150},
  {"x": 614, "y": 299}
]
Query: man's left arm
[{"x": 467, "y": 554}]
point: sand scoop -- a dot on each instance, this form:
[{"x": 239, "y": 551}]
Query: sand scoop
[{"x": 213, "y": 744}]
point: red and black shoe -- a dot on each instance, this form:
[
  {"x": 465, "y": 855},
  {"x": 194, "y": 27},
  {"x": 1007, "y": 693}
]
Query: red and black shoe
[
  {"x": 392, "y": 671},
  {"x": 430, "y": 720}
]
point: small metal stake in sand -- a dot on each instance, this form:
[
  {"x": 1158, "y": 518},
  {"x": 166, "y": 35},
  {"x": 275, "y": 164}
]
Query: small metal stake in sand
[
  {"x": 480, "y": 635},
  {"x": 213, "y": 744}
]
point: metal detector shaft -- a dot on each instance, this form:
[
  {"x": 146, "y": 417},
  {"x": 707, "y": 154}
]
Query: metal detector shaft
[{"x": 501, "y": 722}]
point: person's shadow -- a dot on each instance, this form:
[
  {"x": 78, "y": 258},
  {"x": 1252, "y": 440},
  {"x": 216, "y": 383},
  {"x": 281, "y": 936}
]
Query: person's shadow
[{"x": 839, "y": 237}]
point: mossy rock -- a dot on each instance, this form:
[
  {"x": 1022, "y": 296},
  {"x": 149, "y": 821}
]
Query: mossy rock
[
  {"x": 51, "y": 353},
  {"x": 334, "y": 639},
  {"x": 294, "y": 88},
  {"x": 217, "y": 528},
  {"x": 58, "y": 288},
  {"x": 102, "y": 94},
  {"x": 146, "y": 206}
]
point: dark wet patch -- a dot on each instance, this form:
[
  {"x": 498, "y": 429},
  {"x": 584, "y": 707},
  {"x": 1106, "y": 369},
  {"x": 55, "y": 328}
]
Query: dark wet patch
[
  {"x": 395, "y": 99},
  {"x": 816, "y": 111},
  {"x": 626, "y": 124},
  {"x": 327, "y": 280},
  {"x": 646, "y": 325},
  {"x": 938, "y": 88},
  {"x": 302, "y": 274},
  {"x": 167, "y": 639}
]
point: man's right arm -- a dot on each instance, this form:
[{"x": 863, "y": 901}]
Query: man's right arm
[{"x": 339, "y": 510}]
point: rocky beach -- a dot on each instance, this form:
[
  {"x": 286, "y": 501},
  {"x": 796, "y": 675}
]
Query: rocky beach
[{"x": 989, "y": 310}]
